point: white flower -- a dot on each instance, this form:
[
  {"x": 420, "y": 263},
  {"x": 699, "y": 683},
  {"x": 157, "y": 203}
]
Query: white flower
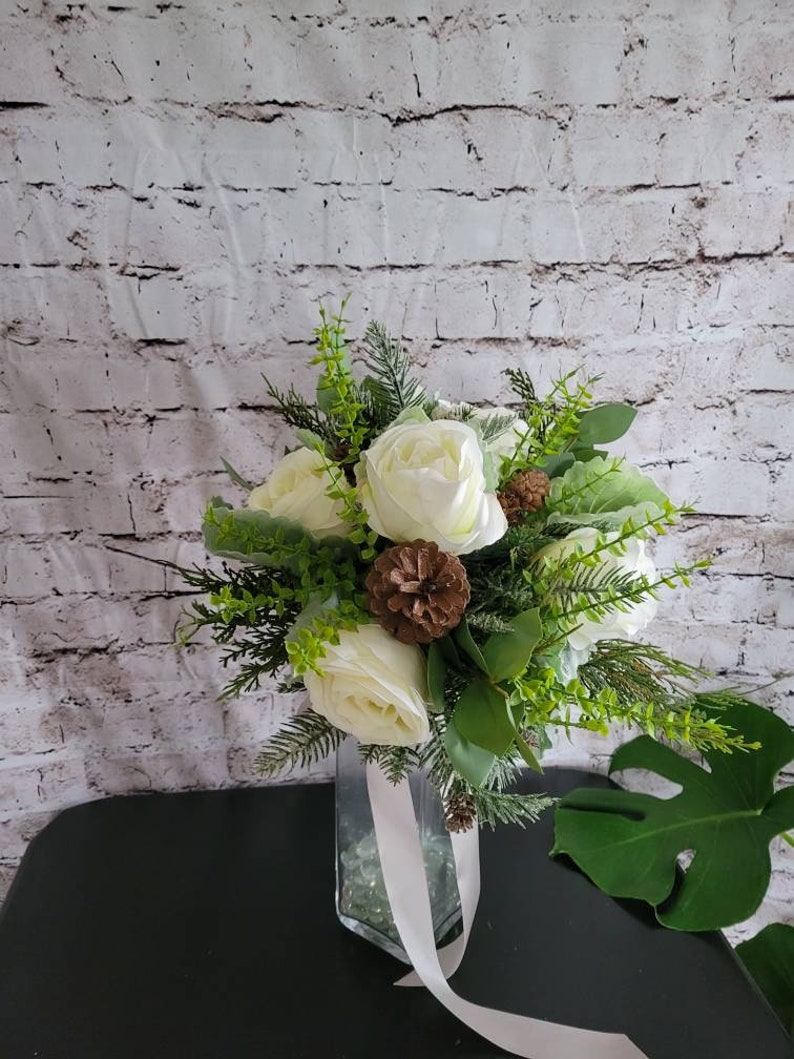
[
  {"x": 373, "y": 687},
  {"x": 296, "y": 490},
  {"x": 503, "y": 444},
  {"x": 425, "y": 480},
  {"x": 617, "y": 624}
]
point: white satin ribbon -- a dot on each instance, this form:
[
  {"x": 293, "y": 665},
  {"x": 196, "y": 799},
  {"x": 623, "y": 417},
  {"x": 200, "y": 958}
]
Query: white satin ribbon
[
  {"x": 403, "y": 870},
  {"x": 466, "y": 851}
]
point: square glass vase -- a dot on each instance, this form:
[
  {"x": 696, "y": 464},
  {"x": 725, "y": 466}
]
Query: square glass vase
[{"x": 362, "y": 904}]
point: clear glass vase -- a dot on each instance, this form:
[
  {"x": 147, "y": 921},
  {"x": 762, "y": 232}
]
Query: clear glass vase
[{"x": 361, "y": 901}]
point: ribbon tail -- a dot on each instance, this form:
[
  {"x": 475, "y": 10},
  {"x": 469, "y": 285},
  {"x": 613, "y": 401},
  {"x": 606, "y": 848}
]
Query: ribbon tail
[
  {"x": 402, "y": 864},
  {"x": 466, "y": 851}
]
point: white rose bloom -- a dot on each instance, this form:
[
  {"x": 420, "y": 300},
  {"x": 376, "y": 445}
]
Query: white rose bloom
[
  {"x": 503, "y": 444},
  {"x": 296, "y": 490},
  {"x": 618, "y": 624},
  {"x": 425, "y": 480},
  {"x": 373, "y": 687}
]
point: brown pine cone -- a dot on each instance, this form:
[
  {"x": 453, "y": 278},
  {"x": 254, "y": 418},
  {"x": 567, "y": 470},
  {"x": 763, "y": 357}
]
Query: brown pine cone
[
  {"x": 459, "y": 813},
  {"x": 417, "y": 592},
  {"x": 525, "y": 493}
]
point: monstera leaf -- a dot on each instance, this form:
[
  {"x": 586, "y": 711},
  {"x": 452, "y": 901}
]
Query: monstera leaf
[
  {"x": 628, "y": 843},
  {"x": 769, "y": 957}
]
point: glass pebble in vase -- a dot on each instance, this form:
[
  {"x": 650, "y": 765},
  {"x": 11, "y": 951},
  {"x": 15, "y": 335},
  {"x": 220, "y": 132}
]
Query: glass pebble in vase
[{"x": 362, "y": 904}]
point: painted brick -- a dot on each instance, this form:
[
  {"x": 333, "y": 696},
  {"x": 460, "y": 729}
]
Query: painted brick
[
  {"x": 542, "y": 186},
  {"x": 763, "y": 61},
  {"x": 690, "y": 57},
  {"x": 735, "y": 222}
]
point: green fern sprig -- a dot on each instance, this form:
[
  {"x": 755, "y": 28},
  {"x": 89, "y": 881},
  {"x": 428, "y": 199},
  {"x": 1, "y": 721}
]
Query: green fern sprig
[{"x": 338, "y": 393}]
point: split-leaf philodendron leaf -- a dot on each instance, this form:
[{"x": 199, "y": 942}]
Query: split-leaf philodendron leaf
[
  {"x": 769, "y": 957},
  {"x": 628, "y": 843}
]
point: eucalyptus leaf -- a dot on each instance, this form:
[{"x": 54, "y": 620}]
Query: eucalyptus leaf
[
  {"x": 482, "y": 716},
  {"x": 236, "y": 477},
  {"x": 558, "y": 464},
  {"x": 527, "y": 753},
  {"x": 310, "y": 439},
  {"x": 605, "y": 423},
  {"x": 472, "y": 762},
  {"x": 603, "y": 491},
  {"x": 465, "y": 641},
  {"x": 769, "y": 957},
  {"x": 507, "y": 654},
  {"x": 449, "y": 651},
  {"x": 326, "y": 396},
  {"x": 628, "y": 843},
  {"x": 436, "y": 676}
]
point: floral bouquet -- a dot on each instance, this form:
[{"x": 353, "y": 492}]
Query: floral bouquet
[{"x": 449, "y": 583}]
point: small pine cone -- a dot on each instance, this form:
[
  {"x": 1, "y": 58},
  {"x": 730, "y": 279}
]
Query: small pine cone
[
  {"x": 417, "y": 592},
  {"x": 525, "y": 493},
  {"x": 459, "y": 813}
]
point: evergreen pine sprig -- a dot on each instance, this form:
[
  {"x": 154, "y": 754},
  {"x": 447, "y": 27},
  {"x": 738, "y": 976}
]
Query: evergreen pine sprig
[
  {"x": 296, "y": 412},
  {"x": 389, "y": 388},
  {"x": 301, "y": 741},
  {"x": 495, "y": 807},
  {"x": 396, "y": 762},
  {"x": 637, "y": 671}
]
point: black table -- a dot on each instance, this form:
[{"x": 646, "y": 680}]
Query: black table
[{"x": 201, "y": 926}]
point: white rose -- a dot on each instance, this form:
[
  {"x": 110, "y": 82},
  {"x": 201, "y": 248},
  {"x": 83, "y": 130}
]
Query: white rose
[
  {"x": 373, "y": 687},
  {"x": 296, "y": 490},
  {"x": 425, "y": 480},
  {"x": 617, "y": 624},
  {"x": 503, "y": 444}
]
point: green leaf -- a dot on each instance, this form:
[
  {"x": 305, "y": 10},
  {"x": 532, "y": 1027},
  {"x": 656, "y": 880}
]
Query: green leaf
[
  {"x": 558, "y": 464},
  {"x": 583, "y": 453},
  {"x": 482, "y": 716},
  {"x": 472, "y": 762},
  {"x": 628, "y": 843},
  {"x": 605, "y": 492},
  {"x": 326, "y": 396},
  {"x": 605, "y": 423},
  {"x": 310, "y": 439},
  {"x": 465, "y": 641},
  {"x": 235, "y": 477},
  {"x": 769, "y": 957},
  {"x": 414, "y": 414},
  {"x": 527, "y": 753},
  {"x": 449, "y": 652},
  {"x": 436, "y": 676},
  {"x": 507, "y": 654}
]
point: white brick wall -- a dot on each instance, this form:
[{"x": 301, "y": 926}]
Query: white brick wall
[{"x": 552, "y": 184}]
